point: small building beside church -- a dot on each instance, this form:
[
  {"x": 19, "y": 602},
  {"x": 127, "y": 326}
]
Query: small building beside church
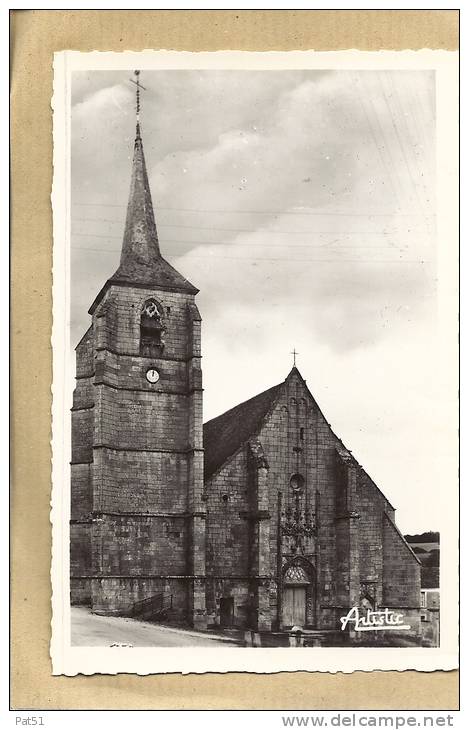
[{"x": 261, "y": 518}]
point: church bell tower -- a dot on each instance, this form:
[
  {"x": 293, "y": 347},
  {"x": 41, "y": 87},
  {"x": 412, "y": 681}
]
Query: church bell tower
[{"x": 137, "y": 515}]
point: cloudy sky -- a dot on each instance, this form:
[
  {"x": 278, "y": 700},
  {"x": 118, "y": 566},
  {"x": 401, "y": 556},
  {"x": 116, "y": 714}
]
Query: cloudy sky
[{"x": 301, "y": 204}]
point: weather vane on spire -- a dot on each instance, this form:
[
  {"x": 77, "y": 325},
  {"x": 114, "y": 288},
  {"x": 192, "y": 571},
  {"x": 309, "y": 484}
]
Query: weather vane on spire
[
  {"x": 294, "y": 353},
  {"x": 139, "y": 86}
]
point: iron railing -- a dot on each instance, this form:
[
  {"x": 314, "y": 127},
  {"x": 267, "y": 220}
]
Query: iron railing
[{"x": 153, "y": 607}]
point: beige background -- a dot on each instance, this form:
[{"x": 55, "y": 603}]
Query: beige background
[{"x": 36, "y": 34}]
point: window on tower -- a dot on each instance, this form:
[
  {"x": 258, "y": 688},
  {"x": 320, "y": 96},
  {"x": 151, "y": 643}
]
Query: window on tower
[{"x": 152, "y": 329}]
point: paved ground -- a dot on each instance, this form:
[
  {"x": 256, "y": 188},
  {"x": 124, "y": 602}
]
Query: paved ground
[{"x": 91, "y": 630}]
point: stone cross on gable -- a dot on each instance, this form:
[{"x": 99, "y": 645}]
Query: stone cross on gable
[{"x": 294, "y": 353}]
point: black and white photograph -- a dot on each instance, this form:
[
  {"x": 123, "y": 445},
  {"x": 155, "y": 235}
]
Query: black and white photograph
[{"x": 255, "y": 362}]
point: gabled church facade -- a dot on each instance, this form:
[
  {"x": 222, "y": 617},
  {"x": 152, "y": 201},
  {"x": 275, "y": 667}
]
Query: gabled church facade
[
  {"x": 260, "y": 519},
  {"x": 297, "y": 532}
]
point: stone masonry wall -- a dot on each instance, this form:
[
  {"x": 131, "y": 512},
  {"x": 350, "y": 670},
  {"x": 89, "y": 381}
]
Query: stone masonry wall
[
  {"x": 81, "y": 496},
  {"x": 142, "y": 420},
  {"x": 82, "y": 430},
  {"x": 227, "y": 531},
  {"x": 133, "y": 481},
  {"x": 85, "y": 354},
  {"x": 371, "y": 506},
  {"x": 130, "y": 545},
  {"x": 82, "y": 418},
  {"x": 136, "y": 453},
  {"x": 401, "y": 570},
  {"x": 117, "y": 595},
  {"x": 80, "y": 559}
]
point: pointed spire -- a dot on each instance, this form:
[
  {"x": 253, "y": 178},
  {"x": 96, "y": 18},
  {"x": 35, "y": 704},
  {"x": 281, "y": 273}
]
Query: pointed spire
[
  {"x": 140, "y": 247},
  {"x": 141, "y": 262}
]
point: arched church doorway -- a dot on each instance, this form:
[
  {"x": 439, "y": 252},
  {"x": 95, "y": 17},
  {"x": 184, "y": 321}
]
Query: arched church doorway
[{"x": 296, "y": 590}]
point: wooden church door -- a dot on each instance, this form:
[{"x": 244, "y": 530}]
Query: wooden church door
[
  {"x": 294, "y": 606},
  {"x": 296, "y": 584}
]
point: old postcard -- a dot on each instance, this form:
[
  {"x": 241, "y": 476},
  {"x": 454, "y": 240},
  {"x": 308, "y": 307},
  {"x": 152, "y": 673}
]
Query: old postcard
[{"x": 255, "y": 362}]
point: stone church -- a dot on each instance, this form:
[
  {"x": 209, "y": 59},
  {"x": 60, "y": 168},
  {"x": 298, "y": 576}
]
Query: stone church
[{"x": 260, "y": 518}]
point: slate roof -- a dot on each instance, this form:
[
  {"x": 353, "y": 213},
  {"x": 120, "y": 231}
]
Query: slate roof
[
  {"x": 141, "y": 260},
  {"x": 225, "y": 434},
  {"x": 159, "y": 275}
]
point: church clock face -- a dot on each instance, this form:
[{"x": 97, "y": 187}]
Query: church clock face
[{"x": 152, "y": 375}]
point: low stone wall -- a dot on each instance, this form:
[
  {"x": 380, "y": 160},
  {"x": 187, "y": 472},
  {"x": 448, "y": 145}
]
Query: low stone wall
[
  {"x": 80, "y": 591},
  {"x": 117, "y": 596}
]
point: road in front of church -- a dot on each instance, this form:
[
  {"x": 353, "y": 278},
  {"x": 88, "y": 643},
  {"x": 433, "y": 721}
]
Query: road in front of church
[{"x": 91, "y": 630}]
